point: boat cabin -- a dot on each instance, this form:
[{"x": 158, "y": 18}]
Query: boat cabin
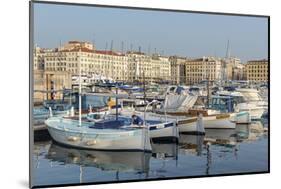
[{"x": 223, "y": 104}]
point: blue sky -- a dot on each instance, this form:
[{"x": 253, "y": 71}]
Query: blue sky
[{"x": 174, "y": 33}]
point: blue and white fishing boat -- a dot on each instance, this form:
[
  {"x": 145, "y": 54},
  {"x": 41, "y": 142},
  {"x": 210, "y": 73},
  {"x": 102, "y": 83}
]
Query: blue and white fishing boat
[
  {"x": 104, "y": 135},
  {"x": 160, "y": 128}
]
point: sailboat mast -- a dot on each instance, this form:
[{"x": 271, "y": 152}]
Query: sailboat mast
[
  {"x": 208, "y": 90},
  {"x": 80, "y": 104}
]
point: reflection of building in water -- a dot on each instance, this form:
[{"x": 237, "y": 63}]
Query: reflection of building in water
[{"x": 104, "y": 160}]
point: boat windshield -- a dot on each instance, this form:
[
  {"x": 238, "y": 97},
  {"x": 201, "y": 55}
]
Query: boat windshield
[{"x": 96, "y": 116}]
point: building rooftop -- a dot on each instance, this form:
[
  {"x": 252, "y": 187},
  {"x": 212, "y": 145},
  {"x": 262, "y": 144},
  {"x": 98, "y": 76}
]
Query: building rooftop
[
  {"x": 84, "y": 49},
  {"x": 256, "y": 61}
]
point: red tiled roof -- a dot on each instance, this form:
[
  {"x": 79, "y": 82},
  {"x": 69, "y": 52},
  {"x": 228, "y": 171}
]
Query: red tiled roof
[
  {"x": 76, "y": 49},
  {"x": 108, "y": 52},
  {"x": 83, "y": 49},
  {"x": 70, "y": 42},
  {"x": 195, "y": 60},
  {"x": 262, "y": 60}
]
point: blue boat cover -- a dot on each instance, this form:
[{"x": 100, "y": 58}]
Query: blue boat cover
[{"x": 108, "y": 124}]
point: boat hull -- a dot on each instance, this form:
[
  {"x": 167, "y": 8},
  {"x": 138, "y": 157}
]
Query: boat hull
[
  {"x": 210, "y": 122},
  {"x": 223, "y": 123},
  {"x": 256, "y": 112},
  {"x": 99, "y": 139},
  {"x": 167, "y": 133}
]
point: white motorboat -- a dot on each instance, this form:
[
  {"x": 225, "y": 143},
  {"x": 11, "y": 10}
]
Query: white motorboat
[
  {"x": 242, "y": 98},
  {"x": 177, "y": 101},
  {"x": 211, "y": 120},
  {"x": 255, "y": 111},
  {"x": 222, "y": 121}
]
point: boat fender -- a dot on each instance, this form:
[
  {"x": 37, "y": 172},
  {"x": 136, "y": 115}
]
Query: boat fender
[
  {"x": 90, "y": 108},
  {"x": 91, "y": 142},
  {"x": 72, "y": 111},
  {"x": 50, "y": 112},
  {"x": 199, "y": 124},
  {"x": 73, "y": 138}
]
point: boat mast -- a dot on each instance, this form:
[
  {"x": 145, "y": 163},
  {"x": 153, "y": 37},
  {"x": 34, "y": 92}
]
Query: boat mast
[
  {"x": 116, "y": 102},
  {"x": 80, "y": 104},
  {"x": 208, "y": 90}
]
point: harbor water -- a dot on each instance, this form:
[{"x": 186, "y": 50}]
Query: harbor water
[{"x": 219, "y": 151}]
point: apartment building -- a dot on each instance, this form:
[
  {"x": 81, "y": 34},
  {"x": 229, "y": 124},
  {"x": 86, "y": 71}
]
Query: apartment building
[
  {"x": 177, "y": 64},
  {"x": 206, "y": 68},
  {"x": 257, "y": 70}
]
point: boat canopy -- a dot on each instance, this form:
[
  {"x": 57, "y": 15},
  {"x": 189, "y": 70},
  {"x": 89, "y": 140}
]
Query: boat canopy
[{"x": 108, "y": 124}]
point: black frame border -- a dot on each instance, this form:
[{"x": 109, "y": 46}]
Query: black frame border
[{"x": 31, "y": 43}]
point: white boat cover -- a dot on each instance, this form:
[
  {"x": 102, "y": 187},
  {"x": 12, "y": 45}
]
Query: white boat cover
[{"x": 179, "y": 103}]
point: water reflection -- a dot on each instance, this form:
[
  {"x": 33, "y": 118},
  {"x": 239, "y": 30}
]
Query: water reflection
[
  {"x": 191, "y": 144},
  {"x": 104, "y": 160},
  {"x": 165, "y": 151},
  {"x": 165, "y": 154},
  {"x": 193, "y": 155}
]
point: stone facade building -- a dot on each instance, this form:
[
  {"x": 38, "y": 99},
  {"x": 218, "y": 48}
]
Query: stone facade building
[
  {"x": 178, "y": 71},
  {"x": 206, "y": 68},
  {"x": 257, "y": 70}
]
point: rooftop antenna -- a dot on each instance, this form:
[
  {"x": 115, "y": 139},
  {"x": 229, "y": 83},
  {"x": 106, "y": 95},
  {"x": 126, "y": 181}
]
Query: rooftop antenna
[
  {"x": 139, "y": 49},
  {"x": 111, "y": 46},
  {"x": 60, "y": 43},
  {"x": 131, "y": 47},
  {"x": 93, "y": 41},
  {"x": 148, "y": 49},
  {"x": 106, "y": 44},
  {"x": 227, "y": 50},
  {"x": 154, "y": 50},
  {"x": 122, "y": 47}
]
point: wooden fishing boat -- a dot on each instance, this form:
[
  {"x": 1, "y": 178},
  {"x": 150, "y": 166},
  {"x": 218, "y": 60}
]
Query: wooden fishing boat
[{"x": 98, "y": 136}]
